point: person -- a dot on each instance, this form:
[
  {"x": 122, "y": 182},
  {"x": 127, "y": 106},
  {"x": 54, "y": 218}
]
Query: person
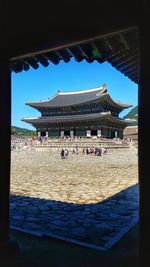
[
  {"x": 73, "y": 151},
  {"x": 105, "y": 151},
  {"x": 40, "y": 139},
  {"x": 66, "y": 153},
  {"x": 96, "y": 151},
  {"x": 100, "y": 151},
  {"x": 62, "y": 153},
  {"x": 83, "y": 151},
  {"x": 77, "y": 149}
]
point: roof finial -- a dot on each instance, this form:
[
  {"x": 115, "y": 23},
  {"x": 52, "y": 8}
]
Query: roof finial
[
  {"x": 58, "y": 91},
  {"x": 104, "y": 86}
]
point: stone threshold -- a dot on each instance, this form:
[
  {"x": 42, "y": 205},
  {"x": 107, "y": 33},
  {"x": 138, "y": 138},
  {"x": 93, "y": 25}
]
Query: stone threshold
[{"x": 105, "y": 248}]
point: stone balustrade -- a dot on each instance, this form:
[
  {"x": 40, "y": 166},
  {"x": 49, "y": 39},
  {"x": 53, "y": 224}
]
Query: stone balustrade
[{"x": 56, "y": 144}]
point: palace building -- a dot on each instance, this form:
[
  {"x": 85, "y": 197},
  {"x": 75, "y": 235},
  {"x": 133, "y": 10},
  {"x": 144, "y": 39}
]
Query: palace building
[{"x": 84, "y": 113}]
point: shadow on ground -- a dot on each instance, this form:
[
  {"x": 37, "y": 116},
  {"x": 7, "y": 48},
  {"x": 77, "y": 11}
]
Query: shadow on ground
[
  {"x": 37, "y": 252},
  {"x": 100, "y": 225}
]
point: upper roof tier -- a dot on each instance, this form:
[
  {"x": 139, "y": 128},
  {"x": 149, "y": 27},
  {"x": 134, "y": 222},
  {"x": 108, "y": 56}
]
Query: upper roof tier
[{"x": 63, "y": 99}]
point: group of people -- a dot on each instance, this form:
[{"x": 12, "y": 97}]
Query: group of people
[
  {"x": 75, "y": 150},
  {"x": 97, "y": 151},
  {"x": 64, "y": 153}
]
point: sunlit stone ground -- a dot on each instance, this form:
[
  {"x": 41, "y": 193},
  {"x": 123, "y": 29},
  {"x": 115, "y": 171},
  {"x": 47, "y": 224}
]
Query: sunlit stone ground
[{"x": 79, "y": 179}]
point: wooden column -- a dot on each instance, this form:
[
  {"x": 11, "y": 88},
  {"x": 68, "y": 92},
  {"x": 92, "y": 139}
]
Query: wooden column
[
  {"x": 74, "y": 130},
  {"x": 5, "y": 147},
  {"x": 144, "y": 138},
  {"x": 110, "y": 132}
]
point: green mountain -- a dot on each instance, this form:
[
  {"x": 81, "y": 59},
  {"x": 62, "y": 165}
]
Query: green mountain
[
  {"x": 133, "y": 114},
  {"x": 22, "y": 131}
]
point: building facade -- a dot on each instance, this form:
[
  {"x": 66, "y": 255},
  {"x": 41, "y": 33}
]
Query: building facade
[
  {"x": 84, "y": 113},
  {"x": 131, "y": 133}
]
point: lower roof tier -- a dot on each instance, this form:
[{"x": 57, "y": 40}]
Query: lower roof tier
[{"x": 77, "y": 118}]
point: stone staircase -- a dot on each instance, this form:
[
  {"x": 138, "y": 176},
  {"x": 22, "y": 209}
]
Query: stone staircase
[{"x": 56, "y": 144}]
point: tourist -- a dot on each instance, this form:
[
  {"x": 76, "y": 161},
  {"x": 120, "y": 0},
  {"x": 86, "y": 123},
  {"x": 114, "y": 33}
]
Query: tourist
[
  {"x": 73, "y": 151},
  {"x": 66, "y": 153},
  {"x": 100, "y": 151},
  {"x": 62, "y": 153},
  {"x": 77, "y": 149},
  {"x": 83, "y": 151},
  {"x": 96, "y": 152},
  {"x": 105, "y": 151}
]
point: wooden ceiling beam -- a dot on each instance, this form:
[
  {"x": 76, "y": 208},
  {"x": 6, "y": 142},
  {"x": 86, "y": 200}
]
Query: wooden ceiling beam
[
  {"x": 131, "y": 70},
  {"x": 123, "y": 56},
  {"x": 42, "y": 59},
  {"x": 87, "y": 51},
  {"x": 17, "y": 67},
  {"x": 53, "y": 57},
  {"x": 128, "y": 60},
  {"x": 64, "y": 55},
  {"x": 130, "y": 65},
  {"x": 69, "y": 44},
  {"x": 26, "y": 66},
  {"x": 32, "y": 62},
  {"x": 76, "y": 53},
  {"x": 108, "y": 44},
  {"x": 123, "y": 40}
]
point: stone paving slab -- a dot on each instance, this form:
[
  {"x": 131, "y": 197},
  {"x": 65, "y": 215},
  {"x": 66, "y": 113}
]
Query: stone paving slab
[
  {"x": 85, "y": 199},
  {"x": 81, "y": 179},
  {"x": 96, "y": 225}
]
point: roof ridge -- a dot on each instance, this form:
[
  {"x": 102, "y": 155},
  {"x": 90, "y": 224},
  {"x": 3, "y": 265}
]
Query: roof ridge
[
  {"x": 80, "y": 91},
  {"x": 102, "y": 90}
]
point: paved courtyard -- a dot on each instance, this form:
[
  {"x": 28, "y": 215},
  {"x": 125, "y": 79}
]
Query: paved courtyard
[{"x": 84, "y": 198}]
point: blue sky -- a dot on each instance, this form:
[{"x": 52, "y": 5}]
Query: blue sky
[{"x": 43, "y": 83}]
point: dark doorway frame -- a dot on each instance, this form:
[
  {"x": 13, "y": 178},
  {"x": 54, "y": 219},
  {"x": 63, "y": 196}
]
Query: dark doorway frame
[{"x": 121, "y": 15}]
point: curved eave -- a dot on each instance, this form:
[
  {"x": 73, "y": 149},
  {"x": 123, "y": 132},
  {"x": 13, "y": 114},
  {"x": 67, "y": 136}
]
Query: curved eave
[
  {"x": 47, "y": 104},
  {"x": 105, "y": 97},
  {"x": 76, "y": 118},
  {"x": 131, "y": 122},
  {"x": 73, "y": 118},
  {"x": 116, "y": 104},
  {"x": 39, "y": 104},
  {"x": 119, "y": 120}
]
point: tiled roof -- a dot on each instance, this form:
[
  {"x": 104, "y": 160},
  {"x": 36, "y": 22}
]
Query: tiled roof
[
  {"x": 62, "y": 99},
  {"x": 70, "y": 98},
  {"x": 74, "y": 118},
  {"x": 119, "y": 49}
]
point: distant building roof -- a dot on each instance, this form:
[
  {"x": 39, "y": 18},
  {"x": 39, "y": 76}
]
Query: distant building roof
[{"x": 62, "y": 99}]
